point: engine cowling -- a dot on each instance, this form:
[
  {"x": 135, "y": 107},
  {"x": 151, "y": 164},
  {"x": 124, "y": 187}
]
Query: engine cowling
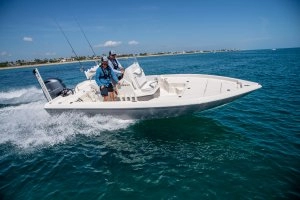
[{"x": 54, "y": 86}]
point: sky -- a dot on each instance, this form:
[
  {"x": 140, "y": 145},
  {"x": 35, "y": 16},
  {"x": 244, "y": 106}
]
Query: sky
[{"x": 29, "y": 29}]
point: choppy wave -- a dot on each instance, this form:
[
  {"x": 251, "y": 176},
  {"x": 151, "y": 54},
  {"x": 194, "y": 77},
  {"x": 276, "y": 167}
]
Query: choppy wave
[
  {"x": 27, "y": 125},
  {"x": 21, "y": 96}
]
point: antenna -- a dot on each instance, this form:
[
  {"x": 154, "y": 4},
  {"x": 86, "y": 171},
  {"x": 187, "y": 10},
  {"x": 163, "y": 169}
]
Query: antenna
[{"x": 135, "y": 57}]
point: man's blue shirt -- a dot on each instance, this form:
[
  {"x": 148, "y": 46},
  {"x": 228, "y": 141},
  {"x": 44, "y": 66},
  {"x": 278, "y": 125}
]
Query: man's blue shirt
[{"x": 102, "y": 80}]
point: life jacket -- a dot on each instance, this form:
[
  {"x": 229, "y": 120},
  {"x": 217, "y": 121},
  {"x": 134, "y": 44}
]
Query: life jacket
[
  {"x": 105, "y": 75},
  {"x": 115, "y": 63}
]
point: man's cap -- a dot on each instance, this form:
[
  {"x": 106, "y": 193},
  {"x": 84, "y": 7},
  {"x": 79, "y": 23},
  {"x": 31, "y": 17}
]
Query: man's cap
[
  {"x": 112, "y": 52},
  {"x": 104, "y": 59}
]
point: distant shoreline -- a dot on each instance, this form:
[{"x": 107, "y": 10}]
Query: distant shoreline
[
  {"x": 69, "y": 62},
  {"x": 120, "y": 58},
  {"x": 138, "y": 56},
  {"x": 40, "y": 65}
]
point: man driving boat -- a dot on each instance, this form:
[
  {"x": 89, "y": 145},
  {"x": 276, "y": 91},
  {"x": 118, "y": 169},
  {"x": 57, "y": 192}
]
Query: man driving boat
[{"x": 104, "y": 76}]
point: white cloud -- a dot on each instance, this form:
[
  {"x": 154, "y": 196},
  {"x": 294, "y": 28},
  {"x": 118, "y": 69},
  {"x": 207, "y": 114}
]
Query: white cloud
[
  {"x": 112, "y": 43},
  {"x": 50, "y": 54},
  {"x": 27, "y": 39},
  {"x": 133, "y": 42},
  {"x": 4, "y": 53}
]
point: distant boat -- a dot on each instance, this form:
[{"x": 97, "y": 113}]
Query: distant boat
[
  {"x": 140, "y": 96},
  {"x": 273, "y": 49}
]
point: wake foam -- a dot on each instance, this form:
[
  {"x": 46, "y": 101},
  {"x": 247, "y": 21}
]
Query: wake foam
[
  {"x": 21, "y": 96},
  {"x": 29, "y": 126}
]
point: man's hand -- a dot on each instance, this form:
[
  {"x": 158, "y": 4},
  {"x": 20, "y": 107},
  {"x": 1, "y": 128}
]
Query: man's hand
[{"x": 118, "y": 85}]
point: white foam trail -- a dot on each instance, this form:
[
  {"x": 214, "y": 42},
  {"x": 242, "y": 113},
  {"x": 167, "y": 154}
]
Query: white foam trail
[
  {"x": 19, "y": 96},
  {"x": 29, "y": 126}
]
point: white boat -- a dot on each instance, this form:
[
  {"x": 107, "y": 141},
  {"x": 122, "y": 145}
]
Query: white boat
[{"x": 140, "y": 96}]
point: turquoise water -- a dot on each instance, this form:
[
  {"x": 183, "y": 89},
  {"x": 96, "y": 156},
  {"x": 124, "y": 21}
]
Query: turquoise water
[{"x": 249, "y": 149}]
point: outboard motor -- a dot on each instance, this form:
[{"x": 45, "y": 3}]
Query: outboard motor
[{"x": 54, "y": 86}]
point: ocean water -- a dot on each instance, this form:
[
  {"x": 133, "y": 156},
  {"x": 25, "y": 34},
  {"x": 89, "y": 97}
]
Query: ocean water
[{"x": 249, "y": 149}]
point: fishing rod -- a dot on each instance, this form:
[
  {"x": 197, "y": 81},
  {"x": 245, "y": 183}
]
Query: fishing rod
[
  {"x": 86, "y": 38},
  {"x": 87, "y": 41},
  {"x": 81, "y": 68}
]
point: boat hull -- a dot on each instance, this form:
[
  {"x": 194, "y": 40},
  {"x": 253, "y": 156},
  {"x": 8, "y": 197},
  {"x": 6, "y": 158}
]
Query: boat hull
[
  {"x": 155, "y": 96},
  {"x": 147, "y": 112}
]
